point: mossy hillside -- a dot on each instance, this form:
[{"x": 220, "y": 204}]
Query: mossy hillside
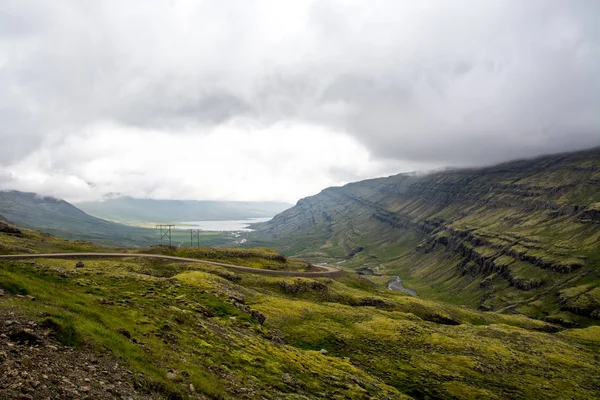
[
  {"x": 505, "y": 237},
  {"x": 426, "y": 348},
  {"x": 188, "y": 318},
  {"x": 28, "y": 241},
  {"x": 175, "y": 326},
  {"x": 248, "y": 257}
]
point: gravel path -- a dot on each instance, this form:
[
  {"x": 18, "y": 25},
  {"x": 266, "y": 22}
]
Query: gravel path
[{"x": 324, "y": 270}]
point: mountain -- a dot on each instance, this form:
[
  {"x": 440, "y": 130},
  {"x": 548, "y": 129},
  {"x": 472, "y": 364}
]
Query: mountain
[
  {"x": 131, "y": 210},
  {"x": 63, "y": 219},
  {"x": 143, "y": 328},
  {"x": 521, "y": 237}
]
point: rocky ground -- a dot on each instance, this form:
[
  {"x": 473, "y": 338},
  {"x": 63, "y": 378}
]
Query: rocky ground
[{"x": 34, "y": 366}]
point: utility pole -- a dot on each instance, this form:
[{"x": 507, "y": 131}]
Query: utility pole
[
  {"x": 195, "y": 234},
  {"x": 165, "y": 232}
]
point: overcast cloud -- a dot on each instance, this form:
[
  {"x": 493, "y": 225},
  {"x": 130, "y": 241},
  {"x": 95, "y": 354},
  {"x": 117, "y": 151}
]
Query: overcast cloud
[{"x": 275, "y": 100}]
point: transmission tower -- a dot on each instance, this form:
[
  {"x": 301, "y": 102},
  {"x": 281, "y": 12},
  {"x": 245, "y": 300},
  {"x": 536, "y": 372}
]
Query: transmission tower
[
  {"x": 165, "y": 232},
  {"x": 195, "y": 234}
]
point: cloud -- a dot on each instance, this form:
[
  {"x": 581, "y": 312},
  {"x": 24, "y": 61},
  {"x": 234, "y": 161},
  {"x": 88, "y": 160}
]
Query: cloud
[
  {"x": 380, "y": 86},
  {"x": 239, "y": 160}
]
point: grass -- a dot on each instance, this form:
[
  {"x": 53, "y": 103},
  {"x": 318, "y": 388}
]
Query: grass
[
  {"x": 509, "y": 237},
  {"x": 380, "y": 344}
]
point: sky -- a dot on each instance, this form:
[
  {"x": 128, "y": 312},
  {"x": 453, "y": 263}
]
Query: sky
[{"x": 276, "y": 100}]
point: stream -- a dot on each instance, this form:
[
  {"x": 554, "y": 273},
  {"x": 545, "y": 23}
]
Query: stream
[{"x": 396, "y": 284}]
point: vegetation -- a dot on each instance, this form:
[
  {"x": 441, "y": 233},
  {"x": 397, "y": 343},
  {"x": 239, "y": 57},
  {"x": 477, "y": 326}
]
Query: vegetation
[
  {"x": 63, "y": 219},
  {"x": 250, "y": 257},
  {"x": 240, "y": 335},
  {"x": 514, "y": 238}
]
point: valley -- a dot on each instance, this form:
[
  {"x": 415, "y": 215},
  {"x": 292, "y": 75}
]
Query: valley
[
  {"x": 462, "y": 284},
  {"x": 298, "y": 200},
  {"x": 180, "y": 330},
  {"x": 521, "y": 237},
  {"x": 61, "y": 218}
]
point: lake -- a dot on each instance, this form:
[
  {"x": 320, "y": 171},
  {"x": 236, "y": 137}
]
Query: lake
[{"x": 222, "y": 226}]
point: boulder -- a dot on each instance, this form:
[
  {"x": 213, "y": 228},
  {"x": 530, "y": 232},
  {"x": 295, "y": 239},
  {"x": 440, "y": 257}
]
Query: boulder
[{"x": 257, "y": 315}]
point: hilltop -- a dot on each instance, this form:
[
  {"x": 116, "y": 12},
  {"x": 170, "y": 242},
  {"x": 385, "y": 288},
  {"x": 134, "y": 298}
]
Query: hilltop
[
  {"x": 520, "y": 237},
  {"x": 152, "y": 329}
]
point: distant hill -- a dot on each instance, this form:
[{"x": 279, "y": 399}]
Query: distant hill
[
  {"x": 522, "y": 236},
  {"x": 131, "y": 210},
  {"x": 63, "y": 219}
]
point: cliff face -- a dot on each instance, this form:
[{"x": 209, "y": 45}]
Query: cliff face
[{"x": 503, "y": 237}]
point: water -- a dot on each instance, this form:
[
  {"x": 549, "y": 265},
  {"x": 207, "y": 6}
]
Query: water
[
  {"x": 240, "y": 225},
  {"x": 396, "y": 284}
]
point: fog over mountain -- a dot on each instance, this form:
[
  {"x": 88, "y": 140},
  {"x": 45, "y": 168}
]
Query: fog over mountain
[{"x": 268, "y": 100}]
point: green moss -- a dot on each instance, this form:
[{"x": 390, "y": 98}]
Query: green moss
[{"x": 380, "y": 343}]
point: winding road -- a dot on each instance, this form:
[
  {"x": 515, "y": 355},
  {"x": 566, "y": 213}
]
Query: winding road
[{"x": 325, "y": 270}]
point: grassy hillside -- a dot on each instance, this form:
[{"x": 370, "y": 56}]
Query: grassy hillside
[
  {"x": 173, "y": 330},
  {"x": 131, "y": 210},
  {"x": 519, "y": 237},
  {"x": 63, "y": 219}
]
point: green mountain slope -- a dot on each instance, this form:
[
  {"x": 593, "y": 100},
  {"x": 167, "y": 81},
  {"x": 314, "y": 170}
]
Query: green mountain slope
[
  {"x": 127, "y": 209},
  {"x": 61, "y": 218},
  {"x": 161, "y": 326},
  {"x": 519, "y": 237}
]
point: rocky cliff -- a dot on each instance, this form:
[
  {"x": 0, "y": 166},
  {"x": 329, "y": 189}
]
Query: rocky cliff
[{"x": 512, "y": 237}]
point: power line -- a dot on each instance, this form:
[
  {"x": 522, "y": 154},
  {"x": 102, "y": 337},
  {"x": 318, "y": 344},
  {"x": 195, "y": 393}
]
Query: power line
[
  {"x": 165, "y": 232},
  {"x": 195, "y": 234}
]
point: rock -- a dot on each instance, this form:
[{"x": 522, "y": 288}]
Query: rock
[
  {"x": 1, "y": 292},
  {"x": 238, "y": 298},
  {"x": 172, "y": 376},
  {"x": 276, "y": 336},
  {"x": 205, "y": 311},
  {"x": 242, "y": 307},
  {"x": 86, "y": 389},
  {"x": 257, "y": 315},
  {"x": 28, "y": 297},
  {"x": 191, "y": 388},
  {"x": 25, "y": 337},
  {"x": 324, "y": 352},
  {"x": 124, "y": 332},
  {"x": 5, "y": 228},
  {"x": 26, "y": 362},
  {"x": 371, "y": 302},
  {"x": 230, "y": 277},
  {"x": 79, "y": 264},
  {"x": 301, "y": 286},
  {"x": 289, "y": 380}
]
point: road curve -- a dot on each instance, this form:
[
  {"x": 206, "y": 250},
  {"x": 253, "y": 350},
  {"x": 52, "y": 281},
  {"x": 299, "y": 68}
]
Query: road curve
[{"x": 325, "y": 270}]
